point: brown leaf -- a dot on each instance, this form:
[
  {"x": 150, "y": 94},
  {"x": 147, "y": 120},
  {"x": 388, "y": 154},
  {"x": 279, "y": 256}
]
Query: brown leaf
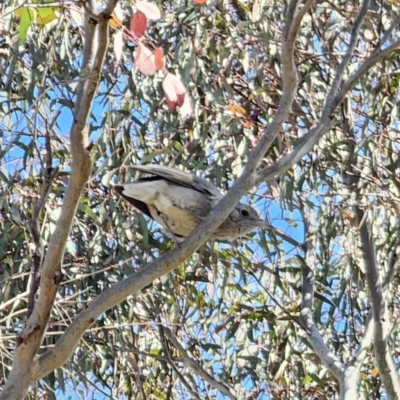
[
  {"x": 248, "y": 123},
  {"x": 237, "y": 110},
  {"x": 374, "y": 372},
  {"x": 171, "y": 104},
  {"x": 176, "y": 96},
  {"x": 115, "y": 22},
  {"x": 201, "y": 2},
  {"x": 350, "y": 216},
  {"x": 159, "y": 58},
  {"x": 180, "y": 99},
  {"x": 138, "y": 23}
]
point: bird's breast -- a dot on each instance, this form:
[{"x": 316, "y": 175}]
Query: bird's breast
[
  {"x": 175, "y": 220},
  {"x": 177, "y": 208}
]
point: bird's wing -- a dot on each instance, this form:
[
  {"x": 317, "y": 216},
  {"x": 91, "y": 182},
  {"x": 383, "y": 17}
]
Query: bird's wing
[
  {"x": 181, "y": 178},
  {"x": 140, "y": 205}
]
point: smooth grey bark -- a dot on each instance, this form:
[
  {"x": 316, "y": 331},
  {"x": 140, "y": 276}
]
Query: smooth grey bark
[{"x": 21, "y": 375}]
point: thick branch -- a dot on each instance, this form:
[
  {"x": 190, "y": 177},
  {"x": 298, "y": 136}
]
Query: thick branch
[
  {"x": 82, "y": 104},
  {"x": 289, "y": 84},
  {"x": 366, "y": 339},
  {"x": 21, "y": 375},
  {"x": 387, "y": 369},
  {"x": 365, "y": 342}
]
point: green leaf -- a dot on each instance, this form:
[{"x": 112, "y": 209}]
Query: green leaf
[
  {"x": 27, "y": 17},
  {"x": 45, "y": 15},
  {"x": 88, "y": 211}
]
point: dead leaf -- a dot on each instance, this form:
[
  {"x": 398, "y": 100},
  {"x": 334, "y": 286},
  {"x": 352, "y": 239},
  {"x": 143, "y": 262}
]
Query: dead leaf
[
  {"x": 350, "y": 216},
  {"x": 248, "y": 123},
  {"x": 201, "y": 2},
  {"x": 159, "y": 58},
  {"x": 374, "y": 372},
  {"x": 186, "y": 109},
  {"x": 174, "y": 90},
  {"x": 76, "y": 15},
  {"x": 138, "y": 23},
  {"x": 145, "y": 60},
  {"x": 118, "y": 45},
  {"x": 115, "y": 22},
  {"x": 150, "y": 10},
  {"x": 237, "y": 110}
]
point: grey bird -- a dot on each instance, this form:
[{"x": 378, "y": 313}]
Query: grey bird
[{"x": 179, "y": 201}]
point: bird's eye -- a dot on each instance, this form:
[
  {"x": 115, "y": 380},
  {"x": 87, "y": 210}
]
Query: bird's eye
[{"x": 244, "y": 213}]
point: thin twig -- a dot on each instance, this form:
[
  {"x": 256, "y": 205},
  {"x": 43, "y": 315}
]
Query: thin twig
[
  {"x": 192, "y": 364},
  {"x": 172, "y": 363},
  {"x": 349, "y": 53},
  {"x": 330, "y": 360},
  {"x": 135, "y": 366},
  {"x": 34, "y": 226}
]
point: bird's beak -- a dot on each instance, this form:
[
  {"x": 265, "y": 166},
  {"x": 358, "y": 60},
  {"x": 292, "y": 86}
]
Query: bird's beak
[{"x": 262, "y": 224}]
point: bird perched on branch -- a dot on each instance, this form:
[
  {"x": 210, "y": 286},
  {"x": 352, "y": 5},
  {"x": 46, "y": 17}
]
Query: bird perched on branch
[{"x": 179, "y": 201}]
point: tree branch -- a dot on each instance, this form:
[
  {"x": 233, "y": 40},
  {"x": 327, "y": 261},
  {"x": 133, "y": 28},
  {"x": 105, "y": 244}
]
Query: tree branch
[
  {"x": 326, "y": 121},
  {"x": 387, "y": 369},
  {"x": 343, "y": 65},
  {"x": 196, "y": 367},
  {"x": 172, "y": 363},
  {"x": 22, "y": 375},
  {"x": 365, "y": 342},
  {"x": 369, "y": 326},
  {"x": 34, "y": 226},
  {"x": 326, "y": 355}
]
